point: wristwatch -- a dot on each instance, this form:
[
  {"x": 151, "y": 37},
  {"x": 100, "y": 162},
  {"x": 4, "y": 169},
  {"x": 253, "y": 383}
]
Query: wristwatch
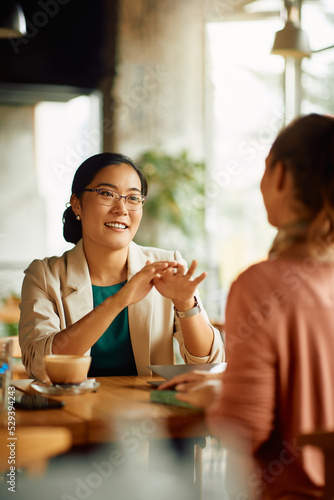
[{"x": 191, "y": 312}]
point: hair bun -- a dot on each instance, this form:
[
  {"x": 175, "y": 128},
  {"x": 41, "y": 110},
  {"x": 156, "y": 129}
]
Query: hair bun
[{"x": 72, "y": 230}]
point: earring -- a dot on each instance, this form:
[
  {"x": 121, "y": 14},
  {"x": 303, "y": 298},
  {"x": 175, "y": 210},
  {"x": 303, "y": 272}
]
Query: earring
[{"x": 78, "y": 217}]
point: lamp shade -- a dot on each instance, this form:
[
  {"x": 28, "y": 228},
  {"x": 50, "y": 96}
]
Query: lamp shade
[
  {"x": 12, "y": 20},
  {"x": 291, "y": 41}
]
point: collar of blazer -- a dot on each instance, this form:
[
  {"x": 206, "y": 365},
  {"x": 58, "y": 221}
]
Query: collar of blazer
[
  {"x": 77, "y": 267},
  {"x": 136, "y": 259},
  {"x": 140, "y": 314}
]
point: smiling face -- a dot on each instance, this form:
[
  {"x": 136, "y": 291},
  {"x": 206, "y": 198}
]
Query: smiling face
[{"x": 112, "y": 228}]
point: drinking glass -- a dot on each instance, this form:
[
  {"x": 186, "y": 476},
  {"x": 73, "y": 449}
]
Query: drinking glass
[{"x": 6, "y": 347}]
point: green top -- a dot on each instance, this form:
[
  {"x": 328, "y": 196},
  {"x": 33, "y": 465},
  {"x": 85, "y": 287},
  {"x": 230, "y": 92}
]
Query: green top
[{"x": 112, "y": 354}]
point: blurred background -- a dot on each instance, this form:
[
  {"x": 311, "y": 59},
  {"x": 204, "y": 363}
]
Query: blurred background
[{"x": 190, "y": 89}]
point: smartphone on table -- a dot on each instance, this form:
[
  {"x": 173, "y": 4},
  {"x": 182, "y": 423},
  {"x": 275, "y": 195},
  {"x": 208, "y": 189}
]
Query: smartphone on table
[{"x": 35, "y": 402}]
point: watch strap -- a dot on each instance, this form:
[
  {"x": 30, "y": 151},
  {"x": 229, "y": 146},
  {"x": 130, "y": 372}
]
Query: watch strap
[{"x": 191, "y": 312}]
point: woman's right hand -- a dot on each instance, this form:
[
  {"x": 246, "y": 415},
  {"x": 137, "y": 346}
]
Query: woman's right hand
[
  {"x": 197, "y": 388},
  {"x": 189, "y": 381},
  {"x": 142, "y": 282}
]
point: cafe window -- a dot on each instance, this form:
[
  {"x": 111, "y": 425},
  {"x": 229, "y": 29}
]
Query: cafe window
[
  {"x": 45, "y": 133},
  {"x": 317, "y": 93},
  {"x": 66, "y": 134},
  {"x": 245, "y": 89}
]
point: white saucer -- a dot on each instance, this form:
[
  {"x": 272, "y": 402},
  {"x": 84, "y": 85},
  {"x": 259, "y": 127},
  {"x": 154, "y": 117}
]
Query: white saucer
[
  {"x": 170, "y": 371},
  {"x": 89, "y": 385}
]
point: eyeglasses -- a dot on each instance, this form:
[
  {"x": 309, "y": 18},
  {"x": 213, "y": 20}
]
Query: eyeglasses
[{"x": 109, "y": 198}]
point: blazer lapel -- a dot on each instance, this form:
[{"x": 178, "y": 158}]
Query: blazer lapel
[
  {"x": 140, "y": 314},
  {"x": 79, "y": 300}
]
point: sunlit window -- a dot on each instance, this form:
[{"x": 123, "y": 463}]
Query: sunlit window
[
  {"x": 66, "y": 134},
  {"x": 42, "y": 144},
  {"x": 248, "y": 111},
  {"x": 318, "y": 70}
]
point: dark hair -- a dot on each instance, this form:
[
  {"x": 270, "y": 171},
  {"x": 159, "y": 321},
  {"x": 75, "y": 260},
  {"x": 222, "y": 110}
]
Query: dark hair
[
  {"x": 306, "y": 148},
  {"x": 84, "y": 175}
]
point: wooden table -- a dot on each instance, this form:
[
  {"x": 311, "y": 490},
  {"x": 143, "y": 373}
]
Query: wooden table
[
  {"x": 120, "y": 404},
  {"x": 120, "y": 414}
]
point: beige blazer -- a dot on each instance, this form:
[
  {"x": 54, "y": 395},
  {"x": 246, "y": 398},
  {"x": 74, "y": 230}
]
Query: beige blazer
[{"x": 57, "y": 292}]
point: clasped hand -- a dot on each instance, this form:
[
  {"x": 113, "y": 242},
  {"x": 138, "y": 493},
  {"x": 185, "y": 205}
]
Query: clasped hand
[
  {"x": 176, "y": 284},
  {"x": 169, "y": 278}
]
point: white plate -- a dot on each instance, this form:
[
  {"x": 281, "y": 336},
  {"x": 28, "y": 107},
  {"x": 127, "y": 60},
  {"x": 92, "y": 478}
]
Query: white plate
[
  {"x": 89, "y": 385},
  {"x": 170, "y": 371}
]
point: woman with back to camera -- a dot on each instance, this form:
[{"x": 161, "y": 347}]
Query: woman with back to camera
[
  {"x": 108, "y": 296},
  {"x": 279, "y": 381}
]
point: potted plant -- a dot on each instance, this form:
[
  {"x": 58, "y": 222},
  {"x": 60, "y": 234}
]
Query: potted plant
[
  {"x": 9, "y": 315},
  {"x": 175, "y": 209}
]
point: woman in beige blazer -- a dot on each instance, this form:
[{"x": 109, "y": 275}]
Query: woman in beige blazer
[{"x": 108, "y": 296}]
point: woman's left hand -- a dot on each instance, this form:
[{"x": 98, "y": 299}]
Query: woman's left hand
[{"x": 179, "y": 286}]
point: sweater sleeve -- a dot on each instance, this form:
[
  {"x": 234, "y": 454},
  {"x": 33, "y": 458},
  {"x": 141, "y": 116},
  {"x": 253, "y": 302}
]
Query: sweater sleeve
[{"x": 248, "y": 398}]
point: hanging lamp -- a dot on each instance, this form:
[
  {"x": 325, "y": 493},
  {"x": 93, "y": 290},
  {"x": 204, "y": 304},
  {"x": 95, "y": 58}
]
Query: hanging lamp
[{"x": 12, "y": 20}]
